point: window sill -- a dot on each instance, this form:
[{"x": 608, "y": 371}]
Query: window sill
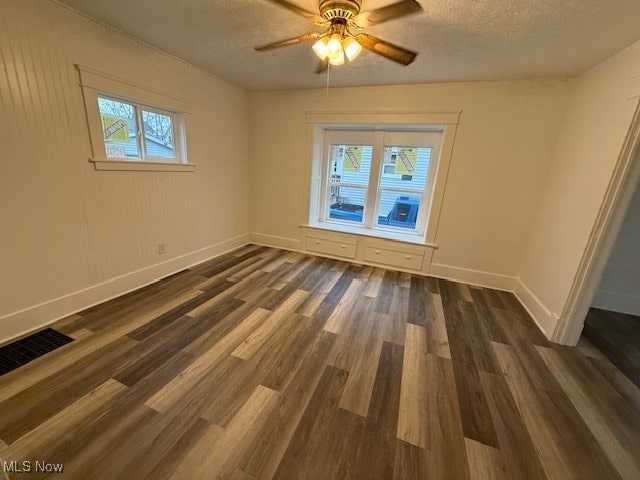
[
  {"x": 414, "y": 238},
  {"x": 133, "y": 165}
]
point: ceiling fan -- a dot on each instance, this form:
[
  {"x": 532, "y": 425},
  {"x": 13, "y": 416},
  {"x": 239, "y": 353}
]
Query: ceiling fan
[{"x": 343, "y": 36}]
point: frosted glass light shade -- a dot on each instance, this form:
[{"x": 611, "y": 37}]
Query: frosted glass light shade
[
  {"x": 351, "y": 48},
  {"x": 338, "y": 59},
  {"x": 320, "y": 48},
  {"x": 334, "y": 46}
]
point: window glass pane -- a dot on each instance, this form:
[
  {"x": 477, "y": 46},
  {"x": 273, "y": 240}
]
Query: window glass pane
[
  {"x": 350, "y": 164},
  {"x": 405, "y": 167},
  {"x": 118, "y": 128},
  {"x": 158, "y": 135},
  {"x": 398, "y": 209},
  {"x": 347, "y": 203}
]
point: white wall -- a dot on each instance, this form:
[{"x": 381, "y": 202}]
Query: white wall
[
  {"x": 619, "y": 288},
  {"x": 505, "y": 141},
  {"x": 597, "y": 122},
  {"x": 67, "y": 228}
]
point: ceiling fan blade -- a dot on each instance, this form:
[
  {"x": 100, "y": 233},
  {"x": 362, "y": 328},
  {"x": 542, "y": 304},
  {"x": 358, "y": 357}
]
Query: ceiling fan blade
[
  {"x": 384, "y": 14},
  {"x": 386, "y": 49},
  {"x": 299, "y": 10},
  {"x": 289, "y": 41},
  {"x": 322, "y": 66}
]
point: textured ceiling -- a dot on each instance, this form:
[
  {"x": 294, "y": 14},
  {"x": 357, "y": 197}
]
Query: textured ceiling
[{"x": 457, "y": 40}]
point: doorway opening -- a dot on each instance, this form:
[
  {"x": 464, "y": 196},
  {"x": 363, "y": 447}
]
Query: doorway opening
[
  {"x": 620, "y": 192},
  {"x": 612, "y": 324}
]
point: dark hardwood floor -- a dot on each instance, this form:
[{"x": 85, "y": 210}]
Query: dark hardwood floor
[
  {"x": 617, "y": 336},
  {"x": 270, "y": 364}
]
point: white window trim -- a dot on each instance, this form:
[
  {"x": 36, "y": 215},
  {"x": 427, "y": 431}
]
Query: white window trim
[
  {"x": 399, "y": 138},
  {"x": 373, "y": 190},
  {"x": 95, "y": 83},
  {"x": 317, "y": 124}
]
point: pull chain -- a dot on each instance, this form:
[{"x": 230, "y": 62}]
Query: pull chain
[{"x": 328, "y": 68}]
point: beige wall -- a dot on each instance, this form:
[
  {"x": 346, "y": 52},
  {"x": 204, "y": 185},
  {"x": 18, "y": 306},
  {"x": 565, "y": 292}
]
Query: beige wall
[
  {"x": 66, "y": 228},
  {"x": 530, "y": 165},
  {"x": 619, "y": 288},
  {"x": 597, "y": 122},
  {"x": 505, "y": 141}
]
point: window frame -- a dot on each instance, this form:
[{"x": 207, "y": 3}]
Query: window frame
[
  {"x": 96, "y": 84},
  {"x": 379, "y": 139},
  {"x": 427, "y": 140},
  {"x": 317, "y": 122},
  {"x": 141, "y": 139},
  {"x": 351, "y": 137}
]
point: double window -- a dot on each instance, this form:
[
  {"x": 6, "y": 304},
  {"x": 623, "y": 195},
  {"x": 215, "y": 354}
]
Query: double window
[
  {"x": 135, "y": 131},
  {"x": 379, "y": 180},
  {"x": 132, "y": 126}
]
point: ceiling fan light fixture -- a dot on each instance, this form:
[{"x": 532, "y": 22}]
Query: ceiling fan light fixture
[
  {"x": 338, "y": 59},
  {"x": 338, "y": 44},
  {"x": 320, "y": 48},
  {"x": 351, "y": 48},
  {"x": 334, "y": 46}
]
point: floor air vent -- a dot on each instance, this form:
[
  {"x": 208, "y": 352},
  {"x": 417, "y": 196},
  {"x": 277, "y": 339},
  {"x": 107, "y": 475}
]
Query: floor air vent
[{"x": 20, "y": 352}]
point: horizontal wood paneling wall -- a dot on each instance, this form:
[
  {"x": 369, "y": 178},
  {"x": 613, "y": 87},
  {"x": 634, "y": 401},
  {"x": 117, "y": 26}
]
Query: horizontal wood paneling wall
[{"x": 67, "y": 227}]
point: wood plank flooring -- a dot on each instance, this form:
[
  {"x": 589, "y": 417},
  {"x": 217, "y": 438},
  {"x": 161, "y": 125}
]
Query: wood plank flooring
[
  {"x": 267, "y": 364},
  {"x": 617, "y": 336}
]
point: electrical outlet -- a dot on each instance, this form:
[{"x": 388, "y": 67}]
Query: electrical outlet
[{"x": 162, "y": 249}]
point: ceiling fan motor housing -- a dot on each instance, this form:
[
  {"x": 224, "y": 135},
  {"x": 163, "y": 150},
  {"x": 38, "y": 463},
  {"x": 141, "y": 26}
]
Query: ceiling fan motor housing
[{"x": 343, "y": 9}]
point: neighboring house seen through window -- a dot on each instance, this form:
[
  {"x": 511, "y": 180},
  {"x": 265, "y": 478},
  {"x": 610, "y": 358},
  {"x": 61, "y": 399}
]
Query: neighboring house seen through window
[
  {"x": 135, "y": 131},
  {"x": 379, "y": 180}
]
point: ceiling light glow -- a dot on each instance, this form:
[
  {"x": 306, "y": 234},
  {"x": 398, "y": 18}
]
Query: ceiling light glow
[
  {"x": 338, "y": 59},
  {"x": 334, "y": 46},
  {"x": 351, "y": 48},
  {"x": 320, "y": 48}
]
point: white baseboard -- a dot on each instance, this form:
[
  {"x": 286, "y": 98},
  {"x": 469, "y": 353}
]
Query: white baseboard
[
  {"x": 473, "y": 277},
  {"x": 546, "y": 320},
  {"x": 19, "y": 323},
  {"x": 617, "y": 302},
  {"x": 277, "y": 242}
]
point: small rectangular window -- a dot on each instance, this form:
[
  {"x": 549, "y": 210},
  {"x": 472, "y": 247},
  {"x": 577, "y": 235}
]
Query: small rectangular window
[
  {"x": 135, "y": 131},
  {"x": 134, "y": 127}
]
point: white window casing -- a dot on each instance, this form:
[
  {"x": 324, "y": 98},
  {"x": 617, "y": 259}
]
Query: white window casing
[
  {"x": 433, "y": 130},
  {"x": 96, "y": 84}
]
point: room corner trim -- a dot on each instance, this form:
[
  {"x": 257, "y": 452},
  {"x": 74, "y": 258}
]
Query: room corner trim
[
  {"x": 542, "y": 316},
  {"x": 24, "y": 321},
  {"x": 277, "y": 242},
  {"x": 473, "y": 277}
]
